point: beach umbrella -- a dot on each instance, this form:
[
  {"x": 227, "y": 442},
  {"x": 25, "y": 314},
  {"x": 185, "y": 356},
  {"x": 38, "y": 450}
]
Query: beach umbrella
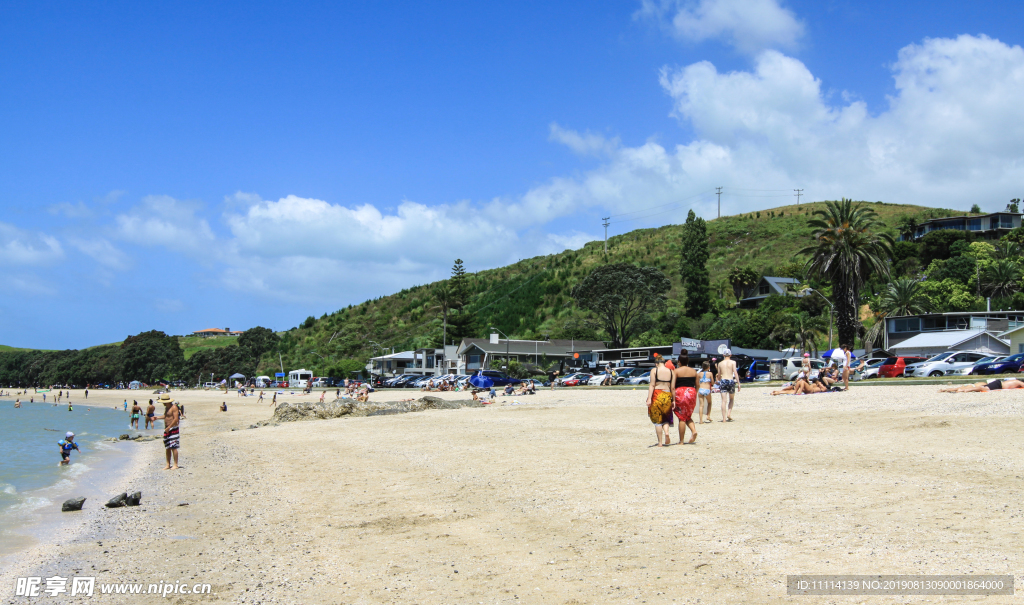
[
  {"x": 481, "y": 382},
  {"x": 233, "y": 376},
  {"x": 838, "y": 353}
]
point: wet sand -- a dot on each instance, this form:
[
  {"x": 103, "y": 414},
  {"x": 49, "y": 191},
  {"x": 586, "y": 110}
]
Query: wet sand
[{"x": 561, "y": 501}]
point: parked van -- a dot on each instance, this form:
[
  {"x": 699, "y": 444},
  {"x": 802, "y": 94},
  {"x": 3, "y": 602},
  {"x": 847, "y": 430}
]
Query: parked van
[
  {"x": 299, "y": 379},
  {"x": 894, "y": 366},
  {"x": 263, "y": 382},
  {"x": 787, "y": 368}
]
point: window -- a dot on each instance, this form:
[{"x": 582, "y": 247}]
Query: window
[
  {"x": 636, "y": 354},
  {"x": 474, "y": 362},
  {"x": 1006, "y": 221},
  {"x": 1020, "y": 348},
  {"x": 974, "y": 224},
  {"x": 762, "y": 289},
  {"x": 909, "y": 324},
  {"x": 993, "y": 223}
]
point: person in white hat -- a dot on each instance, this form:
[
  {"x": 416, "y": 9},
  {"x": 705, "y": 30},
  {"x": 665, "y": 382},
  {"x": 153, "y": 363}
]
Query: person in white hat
[{"x": 66, "y": 445}]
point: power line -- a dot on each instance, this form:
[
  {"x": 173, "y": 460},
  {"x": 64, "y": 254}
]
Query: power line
[
  {"x": 742, "y": 189},
  {"x": 605, "y": 219},
  {"x": 675, "y": 203},
  {"x": 799, "y": 192},
  {"x": 719, "y": 192}
]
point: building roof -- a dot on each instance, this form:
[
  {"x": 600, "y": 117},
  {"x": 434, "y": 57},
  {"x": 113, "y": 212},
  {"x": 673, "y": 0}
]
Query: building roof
[
  {"x": 401, "y": 355},
  {"x": 947, "y": 339},
  {"x": 211, "y": 330},
  {"x": 529, "y": 347},
  {"x": 776, "y": 285}
]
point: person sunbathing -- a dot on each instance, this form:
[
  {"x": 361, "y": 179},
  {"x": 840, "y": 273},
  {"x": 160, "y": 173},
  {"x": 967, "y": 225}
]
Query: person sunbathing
[
  {"x": 802, "y": 387},
  {"x": 996, "y": 384}
]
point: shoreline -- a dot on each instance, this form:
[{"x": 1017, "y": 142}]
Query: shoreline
[{"x": 560, "y": 498}]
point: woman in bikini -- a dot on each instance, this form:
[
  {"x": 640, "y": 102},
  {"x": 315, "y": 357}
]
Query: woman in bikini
[
  {"x": 996, "y": 384},
  {"x": 685, "y": 395},
  {"x": 660, "y": 400},
  {"x": 705, "y": 379}
]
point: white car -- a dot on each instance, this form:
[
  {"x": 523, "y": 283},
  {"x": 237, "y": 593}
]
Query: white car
[
  {"x": 791, "y": 366},
  {"x": 871, "y": 371},
  {"x": 967, "y": 371},
  {"x": 943, "y": 363}
]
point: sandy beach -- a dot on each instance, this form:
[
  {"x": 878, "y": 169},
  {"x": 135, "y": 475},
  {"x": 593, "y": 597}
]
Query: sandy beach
[{"x": 559, "y": 500}]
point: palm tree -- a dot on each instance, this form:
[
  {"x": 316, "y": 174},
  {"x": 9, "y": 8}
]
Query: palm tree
[
  {"x": 900, "y": 297},
  {"x": 801, "y": 331},
  {"x": 1007, "y": 249},
  {"x": 445, "y": 298},
  {"x": 846, "y": 251},
  {"x": 1001, "y": 278}
]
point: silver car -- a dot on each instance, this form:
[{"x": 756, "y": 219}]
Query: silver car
[{"x": 943, "y": 363}]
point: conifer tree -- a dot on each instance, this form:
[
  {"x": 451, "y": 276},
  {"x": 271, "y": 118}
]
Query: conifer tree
[{"x": 693, "y": 266}]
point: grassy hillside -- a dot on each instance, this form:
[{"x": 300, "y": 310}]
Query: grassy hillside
[
  {"x": 193, "y": 344},
  {"x": 530, "y": 299}
]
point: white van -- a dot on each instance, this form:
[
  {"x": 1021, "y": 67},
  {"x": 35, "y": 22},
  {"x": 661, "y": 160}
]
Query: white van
[
  {"x": 299, "y": 379},
  {"x": 787, "y": 368},
  {"x": 263, "y": 382}
]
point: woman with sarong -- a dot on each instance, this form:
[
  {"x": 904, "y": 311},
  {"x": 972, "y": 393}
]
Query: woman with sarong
[
  {"x": 660, "y": 401},
  {"x": 685, "y": 390}
]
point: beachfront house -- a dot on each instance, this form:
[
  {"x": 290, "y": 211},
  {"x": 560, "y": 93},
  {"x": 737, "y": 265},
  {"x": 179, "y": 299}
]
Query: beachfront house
[
  {"x": 207, "y": 333},
  {"x": 934, "y": 333},
  {"x": 490, "y": 354},
  {"x": 391, "y": 364},
  {"x": 770, "y": 286},
  {"x": 984, "y": 226}
]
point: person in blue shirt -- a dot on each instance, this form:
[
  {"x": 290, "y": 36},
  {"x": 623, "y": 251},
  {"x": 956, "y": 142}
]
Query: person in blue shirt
[{"x": 66, "y": 445}]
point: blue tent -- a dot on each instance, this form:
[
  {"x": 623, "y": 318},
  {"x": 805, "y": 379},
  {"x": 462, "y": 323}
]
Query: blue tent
[{"x": 481, "y": 382}]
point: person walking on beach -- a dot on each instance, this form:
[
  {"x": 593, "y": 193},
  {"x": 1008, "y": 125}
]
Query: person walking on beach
[
  {"x": 274, "y": 402},
  {"x": 728, "y": 384},
  {"x": 86, "y": 393},
  {"x": 705, "y": 379},
  {"x": 660, "y": 400},
  {"x": 126, "y": 405},
  {"x": 554, "y": 378},
  {"x": 172, "y": 436},
  {"x": 66, "y": 445},
  {"x": 847, "y": 363},
  {"x": 151, "y": 415},
  {"x": 136, "y": 412},
  {"x": 260, "y": 400},
  {"x": 685, "y": 391}
]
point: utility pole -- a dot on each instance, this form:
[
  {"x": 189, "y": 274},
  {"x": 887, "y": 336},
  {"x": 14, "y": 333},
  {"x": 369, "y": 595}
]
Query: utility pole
[
  {"x": 606, "y": 223},
  {"x": 718, "y": 191},
  {"x": 799, "y": 192}
]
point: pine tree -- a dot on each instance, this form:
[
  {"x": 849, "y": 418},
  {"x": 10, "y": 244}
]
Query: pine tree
[
  {"x": 461, "y": 321},
  {"x": 693, "y": 266}
]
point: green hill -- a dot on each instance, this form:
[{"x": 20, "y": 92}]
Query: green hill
[{"x": 530, "y": 299}]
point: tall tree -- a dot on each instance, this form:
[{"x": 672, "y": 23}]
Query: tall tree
[
  {"x": 847, "y": 250},
  {"x": 256, "y": 342},
  {"x": 693, "y": 266},
  {"x": 742, "y": 279},
  {"x": 622, "y": 295},
  {"x": 1001, "y": 278},
  {"x": 800, "y": 330},
  {"x": 445, "y": 299},
  {"x": 900, "y": 297},
  {"x": 461, "y": 322},
  {"x": 150, "y": 356}
]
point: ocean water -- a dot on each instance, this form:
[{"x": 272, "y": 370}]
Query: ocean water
[{"x": 30, "y": 477}]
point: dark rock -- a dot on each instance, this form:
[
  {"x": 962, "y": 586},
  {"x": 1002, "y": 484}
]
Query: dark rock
[
  {"x": 385, "y": 412},
  {"x": 183, "y": 504},
  {"x": 72, "y": 504},
  {"x": 135, "y": 499},
  {"x": 125, "y": 437},
  {"x": 118, "y": 501}
]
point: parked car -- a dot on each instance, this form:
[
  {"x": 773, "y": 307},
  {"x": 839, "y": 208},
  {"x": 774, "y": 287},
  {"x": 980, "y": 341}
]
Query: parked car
[
  {"x": 871, "y": 371},
  {"x": 624, "y": 374},
  {"x": 943, "y": 363},
  {"x": 894, "y": 366},
  {"x": 787, "y": 368},
  {"x": 757, "y": 370},
  {"x": 1012, "y": 363},
  {"x": 970, "y": 369},
  {"x": 209, "y": 385},
  {"x": 643, "y": 376}
]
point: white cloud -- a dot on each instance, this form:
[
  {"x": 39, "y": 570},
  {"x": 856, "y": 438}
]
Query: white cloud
[
  {"x": 103, "y": 252},
  {"x": 163, "y": 220},
  {"x": 21, "y": 248},
  {"x": 584, "y": 144},
  {"x": 76, "y": 210},
  {"x": 748, "y": 25},
  {"x": 952, "y": 135}
]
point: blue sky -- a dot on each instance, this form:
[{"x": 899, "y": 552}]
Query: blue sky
[{"x": 184, "y": 166}]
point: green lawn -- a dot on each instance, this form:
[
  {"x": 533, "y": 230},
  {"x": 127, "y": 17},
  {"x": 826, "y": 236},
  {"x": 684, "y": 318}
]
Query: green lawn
[{"x": 193, "y": 344}]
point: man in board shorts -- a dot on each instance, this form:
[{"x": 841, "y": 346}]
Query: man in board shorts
[{"x": 171, "y": 418}]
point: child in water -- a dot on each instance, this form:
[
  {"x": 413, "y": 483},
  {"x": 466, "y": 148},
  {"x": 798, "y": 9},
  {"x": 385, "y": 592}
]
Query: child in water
[{"x": 66, "y": 445}]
